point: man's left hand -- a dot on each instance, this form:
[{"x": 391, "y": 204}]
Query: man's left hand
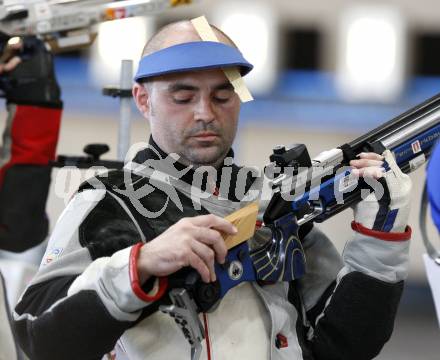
[{"x": 387, "y": 211}]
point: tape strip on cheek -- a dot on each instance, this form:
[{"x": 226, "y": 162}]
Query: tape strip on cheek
[{"x": 232, "y": 74}]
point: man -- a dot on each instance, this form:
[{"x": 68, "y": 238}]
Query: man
[
  {"x": 122, "y": 238},
  {"x": 30, "y": 136}
]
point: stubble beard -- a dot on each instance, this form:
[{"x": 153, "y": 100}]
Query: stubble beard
[
  {"x": 197, "y": 154},
  {"x": 197, "y": 157}
]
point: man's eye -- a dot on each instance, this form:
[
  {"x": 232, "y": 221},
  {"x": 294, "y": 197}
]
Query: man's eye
[
  {"x": 223, "y": 96},
  {"x": 182, "y": 100},
  {"x": 221, "y": 99}
]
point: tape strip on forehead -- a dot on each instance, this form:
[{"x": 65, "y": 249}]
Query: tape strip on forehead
[
  {"x": 232, "y": 74},
  {"x": 197, "y": 55}
]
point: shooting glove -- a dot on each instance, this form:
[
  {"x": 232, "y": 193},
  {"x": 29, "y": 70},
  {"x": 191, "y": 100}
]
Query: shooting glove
[{"x": 386, "y": 210}]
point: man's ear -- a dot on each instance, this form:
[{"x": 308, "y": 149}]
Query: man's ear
[{"x": 141, "y": 98}]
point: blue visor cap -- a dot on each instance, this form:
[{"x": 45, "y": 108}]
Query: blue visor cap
[{"x": 191, "y": 56}]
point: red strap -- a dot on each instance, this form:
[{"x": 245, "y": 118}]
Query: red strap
[
  {"x": 387, "y": 236},
  {"x": 134, "y": 278},
  {"x": 208, "y": 340}
]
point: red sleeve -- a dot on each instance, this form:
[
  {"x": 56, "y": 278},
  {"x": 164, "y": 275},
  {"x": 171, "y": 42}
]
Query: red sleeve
[{"x": 30, "y": 137}]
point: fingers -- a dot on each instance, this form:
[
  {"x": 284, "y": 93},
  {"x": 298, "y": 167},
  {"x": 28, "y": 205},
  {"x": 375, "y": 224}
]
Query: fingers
[
  {"x": 214, "y": 239},
  {"x": 15, "y": 43},
  {"x": 197, "y": 263},
  {"x": 8, "y": 61},
  {"x": 369, "y": 172},
  {"x": 10, "y": 65},
  {"x": 369, "y": 165},
  {"x": 362, "y": 163},
  {"x": 370, "y": 155},
  {"x": 206, "y": 254},
  {"x": 195, "y": 242},
  {"x": 216, "y": 222}
]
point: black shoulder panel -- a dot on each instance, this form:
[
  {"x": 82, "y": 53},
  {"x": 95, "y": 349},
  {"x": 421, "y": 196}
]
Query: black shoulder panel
[
  {"x": 107, "y": 229},
  {"x": 80, "y": 327},
  {"x": 113, "y": 179}
]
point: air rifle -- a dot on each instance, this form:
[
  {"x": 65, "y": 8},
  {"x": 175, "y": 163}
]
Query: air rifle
[
  {"x": 305, "y": 190},
  {"x": 326, "y": 181},
  {"x": 316, "y": 189},
  {"x": 326, "y": 187},
  {"x": 68, "y": 24}
]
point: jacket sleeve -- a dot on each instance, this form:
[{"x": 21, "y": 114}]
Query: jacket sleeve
[
  {"x": 81, "y": 300},
  {"x": 350, "y": 303},
  {"x": 28, "y": 145}
]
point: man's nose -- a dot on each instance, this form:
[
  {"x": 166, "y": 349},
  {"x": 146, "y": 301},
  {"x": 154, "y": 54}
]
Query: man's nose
[{"x": 204, "y": 110}]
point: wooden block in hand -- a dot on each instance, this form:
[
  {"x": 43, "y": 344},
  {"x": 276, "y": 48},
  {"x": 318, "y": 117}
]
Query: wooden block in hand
[{"x": 244, "y": 220}]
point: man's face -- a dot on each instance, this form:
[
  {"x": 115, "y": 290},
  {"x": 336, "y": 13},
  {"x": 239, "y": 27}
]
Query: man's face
[{"x": 193, "y": 114}]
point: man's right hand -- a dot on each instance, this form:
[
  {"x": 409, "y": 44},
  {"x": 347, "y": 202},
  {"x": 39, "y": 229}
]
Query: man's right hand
[
  {"x": 10, "y": 63},
  {"x": 195, "y": 242}
]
